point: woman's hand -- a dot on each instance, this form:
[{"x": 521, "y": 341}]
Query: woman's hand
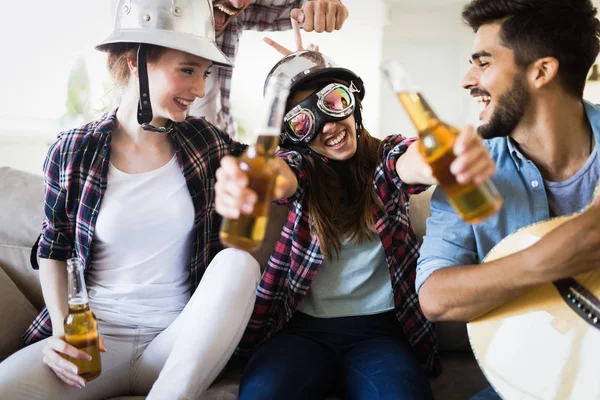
[
  {"x": 233, "y": 197},
  {"x": 54, "y": 352}
]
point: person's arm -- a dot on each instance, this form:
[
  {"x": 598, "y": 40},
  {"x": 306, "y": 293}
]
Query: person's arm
[
  {"x": 53, "y": 278},
  {"x": 268, "y": 15},
  {"x": 472, "y": 163},
  {"x": 314, "y": 15},
  {"x": 55, "y": 245},
  {"x": 452, "y": 286}
]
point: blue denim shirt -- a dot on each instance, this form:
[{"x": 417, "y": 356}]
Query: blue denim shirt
[{"x": 450, "y": 241}]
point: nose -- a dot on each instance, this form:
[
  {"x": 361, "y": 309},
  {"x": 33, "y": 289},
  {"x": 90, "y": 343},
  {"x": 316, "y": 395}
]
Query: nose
[
  {"x": 237, "y": 3},
  {"x": 471, "y": 79},
  {"x": 329, "y": 127},
  {"x": 199, "y": 88}
]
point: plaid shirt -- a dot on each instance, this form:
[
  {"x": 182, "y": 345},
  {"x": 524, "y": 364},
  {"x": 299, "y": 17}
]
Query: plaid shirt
[
  {"x": 297, "y": 257},
  {"x": 260, "y": 15},
  {"x": 75, "y": 179}
]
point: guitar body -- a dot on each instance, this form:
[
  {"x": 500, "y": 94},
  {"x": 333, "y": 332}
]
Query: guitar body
[{"x": 544, "y": 345}]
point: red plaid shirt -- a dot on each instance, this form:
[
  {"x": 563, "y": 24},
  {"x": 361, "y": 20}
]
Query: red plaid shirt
[
  {"x": 261, "y": 15},
  {"x": 75, "y": 178},
  {"x": 297, "y": 257}
]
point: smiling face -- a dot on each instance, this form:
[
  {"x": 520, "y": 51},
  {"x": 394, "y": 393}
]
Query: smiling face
[
  {"x": 338, "y": 139},
  {"x": 225, "y": 10},
  {"x": 175, "y": 80},
  {"x": 497, "y": 83}
]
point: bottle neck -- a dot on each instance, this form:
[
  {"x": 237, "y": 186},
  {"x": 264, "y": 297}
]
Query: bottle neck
[
  {"x": 265, "y": 145},
  {"x": 419, "y": 111},
  {"x": 77, "y": 293}
]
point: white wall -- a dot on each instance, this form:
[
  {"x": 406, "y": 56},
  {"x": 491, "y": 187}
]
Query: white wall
[
  {"x": 40, "y": 42},
  {"x": 433, "y": 45},
  {"x": 357, "y": 46},
  {"x": 427, "y": 36}
]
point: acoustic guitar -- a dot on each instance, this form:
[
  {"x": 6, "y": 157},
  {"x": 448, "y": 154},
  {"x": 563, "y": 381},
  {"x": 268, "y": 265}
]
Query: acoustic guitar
[{"x": 544, "y": 345}]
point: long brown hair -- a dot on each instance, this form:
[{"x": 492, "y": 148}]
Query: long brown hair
[
  {"x": 340, "y": 193},
  {"x": 341, "y": 197}
]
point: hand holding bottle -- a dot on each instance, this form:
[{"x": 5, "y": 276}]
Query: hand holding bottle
[
  {"x": 439, "y": 146},
  {"x": 55, "y": 352},
  {"x": 233, "y": 196}
]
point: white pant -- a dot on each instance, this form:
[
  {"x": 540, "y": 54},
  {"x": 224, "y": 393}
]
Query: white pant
[{"x": 188, "y": 355}]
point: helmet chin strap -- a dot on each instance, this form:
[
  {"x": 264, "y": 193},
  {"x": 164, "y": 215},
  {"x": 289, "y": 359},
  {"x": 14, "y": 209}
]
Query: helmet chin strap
[{"x": 144, "y": 114}]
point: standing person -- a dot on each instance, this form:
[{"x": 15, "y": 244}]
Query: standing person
[
  {"x": 336, "y": 310},
  {"x": 529, "y": 66},
  {"x": 232, "y": 17},
  {"x": 131, "y": 195}
]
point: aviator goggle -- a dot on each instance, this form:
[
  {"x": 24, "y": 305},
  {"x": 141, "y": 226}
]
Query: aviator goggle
[{"x": 334, "y": 102}]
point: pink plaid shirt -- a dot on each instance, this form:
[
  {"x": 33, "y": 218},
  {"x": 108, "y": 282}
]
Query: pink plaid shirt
[{"x": 297, "y": 258}]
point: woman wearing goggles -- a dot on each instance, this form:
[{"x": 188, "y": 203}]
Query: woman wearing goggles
[
  {"x": 335, "y": 102},
  {"x": 337, "y": 296}
]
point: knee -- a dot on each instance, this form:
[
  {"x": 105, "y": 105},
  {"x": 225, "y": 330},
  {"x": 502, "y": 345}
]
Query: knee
[
  {"x": 236, "y": 267},
  {"x": 258, "y": 388}
]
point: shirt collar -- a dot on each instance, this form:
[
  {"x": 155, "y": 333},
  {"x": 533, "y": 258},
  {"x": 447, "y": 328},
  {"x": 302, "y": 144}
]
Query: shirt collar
[
  {"x": 592, "y": 112},
  {"x": 106, "y": 124}
]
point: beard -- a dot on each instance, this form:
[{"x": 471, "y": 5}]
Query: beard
[{"x": 509, "y": 111}]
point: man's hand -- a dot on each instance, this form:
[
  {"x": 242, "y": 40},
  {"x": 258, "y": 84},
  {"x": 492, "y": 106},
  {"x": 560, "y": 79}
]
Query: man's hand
[
  {"x": 297, "y": 36},
  {"x": 473, "y": 163},
  {"x": 321, "y": 15},
  {"x": 571, "y": 249}
]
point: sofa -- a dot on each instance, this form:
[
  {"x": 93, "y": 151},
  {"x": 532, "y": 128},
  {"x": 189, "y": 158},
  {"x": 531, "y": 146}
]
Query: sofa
[{"x": 21, "y": 295}]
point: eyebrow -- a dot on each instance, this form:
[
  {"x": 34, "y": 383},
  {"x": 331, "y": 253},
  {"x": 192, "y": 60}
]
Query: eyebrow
[
  {"x": 478, "y": 55},
  {"x": 193, "y": 64}
]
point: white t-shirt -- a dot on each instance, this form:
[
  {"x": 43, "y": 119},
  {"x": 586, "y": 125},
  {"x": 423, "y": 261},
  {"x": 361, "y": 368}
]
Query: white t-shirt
[
  {"x": 139, "y": 273},
  {"x": 356, "y": 283}
]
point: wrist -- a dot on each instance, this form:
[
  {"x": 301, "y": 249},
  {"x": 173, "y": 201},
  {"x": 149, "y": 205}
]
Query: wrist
[{"x": 538, "y": 267}]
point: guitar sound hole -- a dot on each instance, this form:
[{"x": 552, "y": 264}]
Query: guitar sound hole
[{"x": 584, "y": 303}]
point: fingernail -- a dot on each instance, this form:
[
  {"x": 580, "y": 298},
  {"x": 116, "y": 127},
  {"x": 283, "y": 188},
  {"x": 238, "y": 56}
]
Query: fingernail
[
  {"x": 74, "y": 370},
  {"x": 301, "y": 17}
]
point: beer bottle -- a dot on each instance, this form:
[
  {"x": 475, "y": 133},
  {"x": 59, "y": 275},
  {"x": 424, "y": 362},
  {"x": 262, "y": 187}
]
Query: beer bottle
[
  {"x": 258, "y": 162},
  {"x": 81, "y": 330},
  {"x": 473, "y": 203}
]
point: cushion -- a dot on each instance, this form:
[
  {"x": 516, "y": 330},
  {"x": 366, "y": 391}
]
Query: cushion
[
  {"x": 16, "y": 314},
  {"x": 21, "y": 207},
  {"x": 15, "y": 263}
]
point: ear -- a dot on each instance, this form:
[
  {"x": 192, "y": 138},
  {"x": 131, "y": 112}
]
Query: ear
[
  {"x": 543, "y": 71},
  {"x": 132, "y": 64}
]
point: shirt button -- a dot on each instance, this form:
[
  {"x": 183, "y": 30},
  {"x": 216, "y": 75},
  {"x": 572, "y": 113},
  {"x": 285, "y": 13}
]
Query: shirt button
[{"x": 535, "y": 184}]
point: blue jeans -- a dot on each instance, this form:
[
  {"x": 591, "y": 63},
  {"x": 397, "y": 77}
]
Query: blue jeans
[
  {"x": 487, "y": 394},
  {"x": 357, "y": 358}
]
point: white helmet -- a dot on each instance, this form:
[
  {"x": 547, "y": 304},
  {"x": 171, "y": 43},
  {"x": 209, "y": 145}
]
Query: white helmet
[{"x": 185, "y": 25}]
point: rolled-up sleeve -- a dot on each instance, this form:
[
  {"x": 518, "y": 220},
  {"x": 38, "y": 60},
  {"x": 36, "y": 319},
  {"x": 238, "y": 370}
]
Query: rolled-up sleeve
[
  {"x": 269, "y": 15},
  {"x": 56, "y": 240},
  {"x": 294, "y": 160},
  {"x": 448, "y": 240},
  {"x": 393, "y": 148}
]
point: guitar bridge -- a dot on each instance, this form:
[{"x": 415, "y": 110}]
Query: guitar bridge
[{"x": 584, "y": 303}]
